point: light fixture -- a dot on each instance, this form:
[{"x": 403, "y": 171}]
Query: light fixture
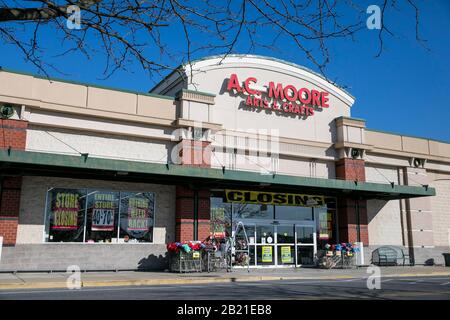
[{"x": 6, "y": 111}]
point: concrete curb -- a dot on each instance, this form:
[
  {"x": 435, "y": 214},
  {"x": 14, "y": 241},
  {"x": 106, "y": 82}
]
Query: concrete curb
[{"x": 151, "y": 282}]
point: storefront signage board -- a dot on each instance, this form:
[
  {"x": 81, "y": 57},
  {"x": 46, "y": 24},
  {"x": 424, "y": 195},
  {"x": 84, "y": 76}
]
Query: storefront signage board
[
  {"x": 274, "y": 198},
  {"x": 279, "y": 97}
]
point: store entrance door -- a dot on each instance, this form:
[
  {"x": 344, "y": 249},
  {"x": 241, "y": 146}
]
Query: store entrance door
[{"x": 281, "y": 243}]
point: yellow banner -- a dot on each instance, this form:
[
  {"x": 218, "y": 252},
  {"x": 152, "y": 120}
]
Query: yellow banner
[
  {"x": 267, "y": 254},
  {"x": 286, "y": 256},
  {"x": 283, "y": 199}
]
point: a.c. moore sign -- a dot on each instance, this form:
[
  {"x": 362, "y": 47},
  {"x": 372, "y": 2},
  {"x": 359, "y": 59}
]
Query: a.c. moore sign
[{"x": 276, "y": 97}]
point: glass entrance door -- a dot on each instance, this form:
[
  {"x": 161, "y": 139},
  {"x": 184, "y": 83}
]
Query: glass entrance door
[
  {"x": 285, "y": 244},
  {"x": 305, "y": 244},
  {"x": 265, "y": 245},
  {"x": 281, "y": 244}
]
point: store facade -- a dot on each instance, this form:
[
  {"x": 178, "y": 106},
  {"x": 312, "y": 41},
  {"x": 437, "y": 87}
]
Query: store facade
[{"x": 104, "y": 178}]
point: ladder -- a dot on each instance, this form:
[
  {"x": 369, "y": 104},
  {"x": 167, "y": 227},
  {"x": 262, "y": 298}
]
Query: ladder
[{"x": 240, "y": 244}]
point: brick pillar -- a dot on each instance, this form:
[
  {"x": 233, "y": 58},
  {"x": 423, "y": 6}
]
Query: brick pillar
[
  {"x": 195, "y": 153},
  {"x": 184, "y": 216},
  {"x": 204, "y": 215},
  {"x": 192, "y": 218},
  {"x": 192, "y": 214},
  {"x": 9, "y": 209},
  {"x": 350, "y": 222},
  {"x": 13, "y": 135},
  {"x": 351, "y": 169}
]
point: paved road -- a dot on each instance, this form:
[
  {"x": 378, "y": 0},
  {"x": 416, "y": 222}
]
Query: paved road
[{"x": 391, "y": 288}]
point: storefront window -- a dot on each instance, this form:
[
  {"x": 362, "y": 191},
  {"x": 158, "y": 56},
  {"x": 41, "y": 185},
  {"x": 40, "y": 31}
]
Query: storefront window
[
  {"x": 305, "y": 255},
  {"x": 305, "y": 234},
  {"x": 264, "y": 234},
  {"x": 220, "y": 217},
  {"x": 136, "y": 216},
  {"x": 285, "y": 234},
  {"x": 326, "y": 223},
  {"x": 65, "y": 215},
  {"x": 252, "y": 211},
  {"x": 102, "y": 216},
  {"x": 84, "y": 215},
  {"x": 293, "y": 213},
  {"x": 265, "y": 255},
  {"x": 286, "y": 255}
]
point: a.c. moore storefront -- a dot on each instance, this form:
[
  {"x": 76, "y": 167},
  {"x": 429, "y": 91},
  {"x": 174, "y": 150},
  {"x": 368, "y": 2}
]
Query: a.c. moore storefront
[{"x": 105, "y": 178}]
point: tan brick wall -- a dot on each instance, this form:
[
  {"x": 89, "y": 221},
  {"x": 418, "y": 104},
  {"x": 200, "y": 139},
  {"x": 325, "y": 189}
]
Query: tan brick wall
[
  {"x": 384, "y": 216},
  {"x": 384, "y": 222},
  {"x": 32, "y": 205},
  {"x": 440, "y": 205}
]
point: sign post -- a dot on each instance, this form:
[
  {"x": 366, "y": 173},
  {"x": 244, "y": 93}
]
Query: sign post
[{"x": 359, "y": 254}]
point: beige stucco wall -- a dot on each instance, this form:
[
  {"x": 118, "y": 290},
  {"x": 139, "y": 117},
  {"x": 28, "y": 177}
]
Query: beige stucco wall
[
  {"x": 384, "y": 222},
  {"x": 82, "y": 98},
  {"x": 100, "y": 145},
  {"x": 381, "y": 174},
  {"x": 32, "y": 205},
  {"x": 384, "y": 216},
  {"x": 440, "y": 205}
]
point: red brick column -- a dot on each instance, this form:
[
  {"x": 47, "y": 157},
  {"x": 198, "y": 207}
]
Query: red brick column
[
  {"x": 351, "y": 169},
  {"x": 184, "y": 216},
  {"x": 9, "y": 209},
  {"x": 192, "y": 208},
  {"x": 13, "y": 134},
  {"x": 187, "y": 201},
  {"x": 204, "y": 214},
  {"x": 348, "y": 218}
]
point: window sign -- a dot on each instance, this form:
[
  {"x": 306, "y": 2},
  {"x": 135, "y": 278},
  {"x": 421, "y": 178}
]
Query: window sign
[
  {"x": 105, "y": 216},
  {"x": 325, "y": 224},
  {"x": 102, "y": 215},
  {"x": 220, "y": 217},
  {"x": 286, "y": 255},
  {"x": 65, "y": 215},
  {"x": 136, "y": 216},
  {"x": 267, "y": 254}
]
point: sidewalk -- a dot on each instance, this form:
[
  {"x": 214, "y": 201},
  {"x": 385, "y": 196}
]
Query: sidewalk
[{"x": 131, "y": 278}]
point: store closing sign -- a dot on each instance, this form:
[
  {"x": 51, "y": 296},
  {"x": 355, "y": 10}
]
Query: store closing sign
[
  {"x": 286, "y": 256},
  {"x": 65, "y": 211},
  {"x": 267, "y": 255},
  {"x": 103, "y": 212},
  {"x": 285, "y": 199},
  {"x": 278, "y": 97}
]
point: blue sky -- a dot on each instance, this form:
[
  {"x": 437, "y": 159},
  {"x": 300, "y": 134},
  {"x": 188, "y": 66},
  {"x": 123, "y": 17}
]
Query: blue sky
[{"x": 406, "y": 90}]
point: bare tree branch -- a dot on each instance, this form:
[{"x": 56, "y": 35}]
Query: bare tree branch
[{"x": 157, "y": 34}]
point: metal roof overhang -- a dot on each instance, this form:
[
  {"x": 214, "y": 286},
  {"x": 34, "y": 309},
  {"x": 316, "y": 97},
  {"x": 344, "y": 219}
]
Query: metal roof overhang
[{"x": 15, "y": 162}]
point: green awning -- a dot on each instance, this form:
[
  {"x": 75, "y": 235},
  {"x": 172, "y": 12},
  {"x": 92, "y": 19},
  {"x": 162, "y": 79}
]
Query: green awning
[{"x": 14, "y": 162}]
